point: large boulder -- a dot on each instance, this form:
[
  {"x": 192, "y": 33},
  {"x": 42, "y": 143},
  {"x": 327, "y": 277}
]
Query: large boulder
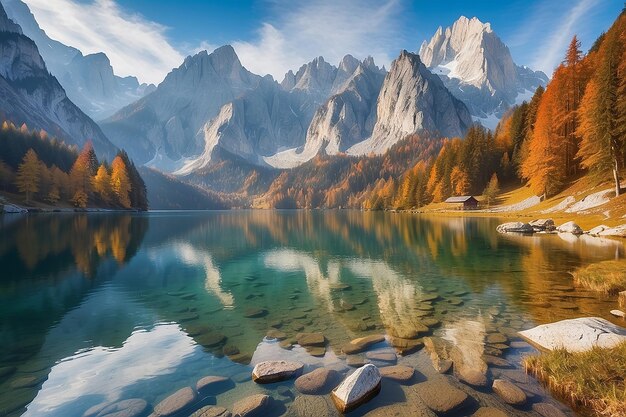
[
  {"x": 358, "y": 388},
  {"x": 576, "y": 335},
  {"x": 515, "y": 227},
  {"x": 598, "y": 229},
  {"x": 541, "y": 225},
  {"x": 570, "y": 227},
  {"x": 274, "y": 371}
]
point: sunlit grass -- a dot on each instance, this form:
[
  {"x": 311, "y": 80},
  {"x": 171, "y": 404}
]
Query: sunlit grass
[
  {"x": 608, "y": 276},
  {"x": 593, "y": 379}
]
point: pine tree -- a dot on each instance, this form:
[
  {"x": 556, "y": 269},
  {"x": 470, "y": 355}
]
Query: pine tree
[
  {"x": 120, "y": 184},
  {"x": 28, "y": 178},
  {"x": 573, "y": 89}
]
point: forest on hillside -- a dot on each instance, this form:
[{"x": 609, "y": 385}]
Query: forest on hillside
[
  {"x": 575, "y": 126},
  {"x": 43, "y": 169}
]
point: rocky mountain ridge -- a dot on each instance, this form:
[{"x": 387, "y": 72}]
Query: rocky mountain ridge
[
  {"x": 88, "y": 80},
  {"x": 477, "y": 67},
  {"x": 30, "y": 94}
]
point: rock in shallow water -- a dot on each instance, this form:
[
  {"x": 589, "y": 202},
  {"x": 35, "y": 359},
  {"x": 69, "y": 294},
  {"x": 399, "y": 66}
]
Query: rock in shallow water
[
  {"x": 274, "y": 371},
  {"x": 318, "y": 382},
  {"x": 440, "y": 396},
  {"x": 311, "y": 339},
  {"x": 576, "y": 335},
  {"x": 398, "y": 373},
  {"x": 251, "y": 406},
  {"x": 547, "y": 410},
  {"x": 358, "y": 388},
  {"x": 509, "y": 392},
  {"x": 133, "y": 407},
  {"x": 211, "y": 411},
  {"x": 361, "y": 344},
  {"x": 176, "y": 402},
  {"x": 214, "y": 384},
  {"x": 489, "y": 412}
]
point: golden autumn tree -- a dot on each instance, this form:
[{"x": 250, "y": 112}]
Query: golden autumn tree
[
  {"x": 120, "y": 184},
  {"x": 28, "y": 178},
  {"x": 544, "y": 166},
  {"x": 82, "y": 171},
  {"x": 601, "y": 149},
  {"x": 459, "y": 181},
  {"x": 102, "y": 183}
]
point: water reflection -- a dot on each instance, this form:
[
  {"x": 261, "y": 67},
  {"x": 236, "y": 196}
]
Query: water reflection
[{"x": 103, "y": 307}]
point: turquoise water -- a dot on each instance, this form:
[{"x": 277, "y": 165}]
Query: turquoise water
[{"x": 103, "y": 307}]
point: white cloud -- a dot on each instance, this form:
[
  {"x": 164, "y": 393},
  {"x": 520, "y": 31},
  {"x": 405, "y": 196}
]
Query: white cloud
[
  {"x": 553, "y": 50},
  {"x": 134, "y": 45},
  {"x": 304, "y": 30}
]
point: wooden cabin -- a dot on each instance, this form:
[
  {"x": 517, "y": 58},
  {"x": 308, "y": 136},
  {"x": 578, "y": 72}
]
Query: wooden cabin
[{"x": 465, "y": 202}]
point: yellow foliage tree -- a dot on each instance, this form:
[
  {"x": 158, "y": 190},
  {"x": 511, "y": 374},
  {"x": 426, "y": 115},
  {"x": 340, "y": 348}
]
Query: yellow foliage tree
[
  {"x": 120, "y": 184},
  {"x": 28, "y": 178}
]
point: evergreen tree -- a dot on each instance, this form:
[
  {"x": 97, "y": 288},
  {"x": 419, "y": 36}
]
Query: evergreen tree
[{"x": 28, "y": 177}]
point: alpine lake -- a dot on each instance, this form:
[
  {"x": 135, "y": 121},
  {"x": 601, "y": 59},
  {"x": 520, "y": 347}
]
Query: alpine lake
[{"x": 100, "y": 308}]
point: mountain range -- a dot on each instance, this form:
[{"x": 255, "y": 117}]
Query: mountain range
[
  {"x": 211, "y": 108},
  {"x": 30, "y": 95},
  {"x": 88, "y": 80}
]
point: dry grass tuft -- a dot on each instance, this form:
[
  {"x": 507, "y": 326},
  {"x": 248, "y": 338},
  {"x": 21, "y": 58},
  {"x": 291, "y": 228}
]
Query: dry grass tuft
[
  {"x": 593, "y": 380},
  {"x": 608, "y": 277}
]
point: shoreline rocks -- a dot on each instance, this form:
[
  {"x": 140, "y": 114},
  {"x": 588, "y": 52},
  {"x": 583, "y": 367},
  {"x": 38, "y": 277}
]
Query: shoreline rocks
[
  {"x": 515, "y": 227},
  {"x": 576, "y": 335},
  {"x": 570, "y": 227},
  {"x": 358, "y": 388}
]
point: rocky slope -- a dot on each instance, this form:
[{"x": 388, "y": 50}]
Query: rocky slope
[
  {"x": 88, "y": 80},
  {"x": 412, "y": 99},
  {"x": 29, "y": 94},
  {"x": 344, "y": 119},
  {"x": 477, "y": 67},
  {"x": 169, "y": 124}
]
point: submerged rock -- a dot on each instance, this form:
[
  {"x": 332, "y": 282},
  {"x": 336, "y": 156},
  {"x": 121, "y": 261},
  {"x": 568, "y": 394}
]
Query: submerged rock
[
  {"x": 311, "y": 339},
  {"x": 440, "y": 396},
  {"x": 361, "y": 344},
  {"x": 252, "y": 405},
  {"x": 398, "y": 373},
  {"x": 176, "y": 402},
  {"x": 547, "y": 410},
  {"x": 515, "y": 227},
  {"x": 489, "y": 412},
  {"x": 318, "y": 382},
  {"x": 214, "y": 384},
  {"x": 509, "y": 392},
  {"x": 133, "y": 407},
  {"x": 274, "y": 371},
  {"x": 211, "y": 411},
  {"x": 253, "y": 313},
  {"x": 576, "y": 335},
  {"x": 439, "y": 351},
  {"x": 570, "y": 227},
  {"x": 357, "y": 388}
]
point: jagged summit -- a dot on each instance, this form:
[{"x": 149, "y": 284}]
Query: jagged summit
[{"x": 477, "y": 67}]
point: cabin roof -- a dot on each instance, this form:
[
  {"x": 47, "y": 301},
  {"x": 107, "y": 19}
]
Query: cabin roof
[{"x": 460, "y": 199}]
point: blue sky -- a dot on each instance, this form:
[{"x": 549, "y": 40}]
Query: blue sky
[{"x": 147, "y": 38}]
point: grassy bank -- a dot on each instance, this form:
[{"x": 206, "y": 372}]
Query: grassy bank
[
  {"x": 608, "y": 277},
  {"x": 594, "y": 380}
]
